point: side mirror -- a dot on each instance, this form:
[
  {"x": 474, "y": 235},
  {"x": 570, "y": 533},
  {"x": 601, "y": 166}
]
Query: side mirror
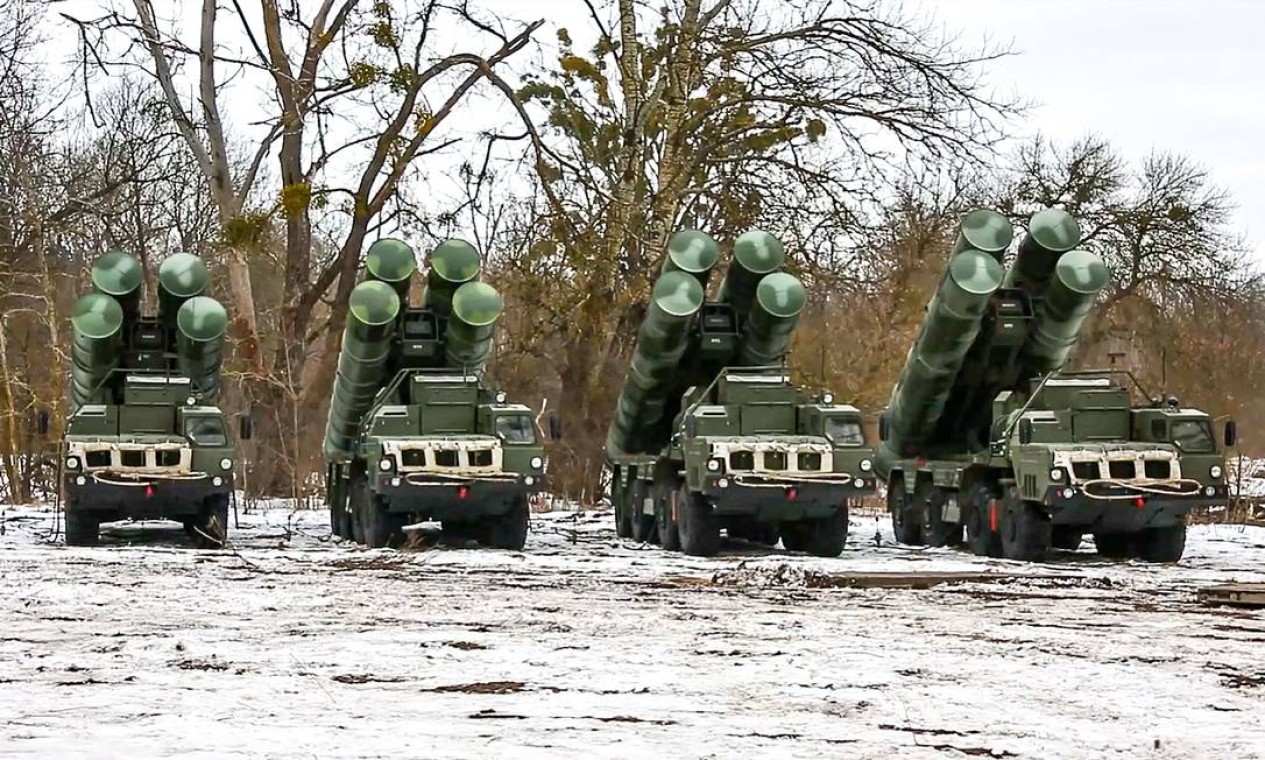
[
  {"x": 555, "y": 427},
  {"x": 1025, "y": 431},
  {"x": 882, "y": 427},
  {"x": 1231, "y": 433},
  {"x": 245, "y": 427},
  {"x": 41, "y": 422},
  {"x": 691, "y": 426}
]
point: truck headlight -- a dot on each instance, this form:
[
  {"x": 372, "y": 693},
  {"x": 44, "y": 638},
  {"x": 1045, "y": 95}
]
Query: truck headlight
[
  {"x": 72, "y": 463},
  {"x": 827, "y": 398},
  {"x": 1056, "y": 474},
  {"x": 385, "y": 464},
  {"x": 217, "y": 481},
  {"x": 500, "y": 397},
  {"x": 529, "y": 480},
  {"x": 866, "y": 465},
  {"x": 1215, "y": 471},
  {"x": 713, "y": 465},
  {"x": 226, "y": 464},
  {"x": 537, "y": 463}
]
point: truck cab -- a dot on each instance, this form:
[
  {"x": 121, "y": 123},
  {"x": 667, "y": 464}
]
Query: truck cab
[{"x": 158, "y": 453}]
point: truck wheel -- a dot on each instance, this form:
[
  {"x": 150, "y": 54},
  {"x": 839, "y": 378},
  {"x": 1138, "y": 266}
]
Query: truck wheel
[
  {"x": 765, "y": 533},
  {"x": 337, "y": 521},
  {"x": 699, "y": 535},
  {"x": 1114, "y": 545},
  {"x": 1067, "y": 537},
  {"x": 623, "y": 520},
  {"x": 669, "y": 537},
  {"x": 935, "y": 531},
  {"x": 211, "y": 527},
  {"x": 828, "y": 536},
  {"x": 1025, "y": 530},
  {"x": 1161, "y": 544},
  {"x": 509, "y": 531},
  {"x": 82, "y": 528},
  {"x": 795, "y": 536},
  {"x": 381, "y": 527},
  {"x": 642, "y": 524},
  {"x": 905, "y": 524},
  {"x": 980, "y": 536},
  {"x": 357, "y": 495}
]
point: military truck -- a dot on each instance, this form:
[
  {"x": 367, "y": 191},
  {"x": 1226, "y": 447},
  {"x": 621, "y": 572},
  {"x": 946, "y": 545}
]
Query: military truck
[
  {"x": 415, "y": 430},
  {"x": 710, "y": 433},
  {"x": 986, "y": 432},
  {"x": 146, "y": 438}
]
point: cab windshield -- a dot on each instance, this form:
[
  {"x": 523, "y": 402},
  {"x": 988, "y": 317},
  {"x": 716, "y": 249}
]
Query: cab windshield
[
  {"x": 515, "y": 428},
  {"x": 844, "y": 431},
  {"x": 1193, "y": 436},
  {"x": 206, "y": 431}
]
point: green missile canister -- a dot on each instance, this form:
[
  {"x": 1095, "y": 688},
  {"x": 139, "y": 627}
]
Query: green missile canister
[
  {"x": 1060, "y": 316},
  {"x": 452, "y": 264},
  {"x": 1051, "y": 233},
  {"x": 200, "y": 326},
  {"x": 662, "y": 340},
  {"x": 181, "y": 276},
  {"x": 476, "y": 307},
  {"x": 118, "y": 275},
  {"x": 392, "y": 261},
  {"x": 756, "y": 253},
  {"x": 692, "y": 252},
  {"x": 986, "y": 231},
  {"x": 952, "y": 322},
  {"x": 372, "y": 310},
  {"x": 97, "y": 324},
  {"x": 779, "y": 298}
]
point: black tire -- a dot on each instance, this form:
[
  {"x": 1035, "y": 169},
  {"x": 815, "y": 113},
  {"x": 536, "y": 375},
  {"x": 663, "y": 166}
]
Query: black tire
[
  {"x": 381, "y": 527},
  {"x": 1025, "y": 530},
  {"x": 1114, "y": 545},
  {"x": 641, "y": 524},
  {"x": 796, "y": 535},
  {"x": 82, "y": 528},
  {"x": 620, "y": 498},
  {"x": 669, "y": 535},
  {"x": 509, "y": 531},
  {"x": 336, "y": 521},
  {"x": 905, "y": 524},
  {"x": 1067, "y": 537},
  {"x": 979, "y": 514},
  {"x": 765, "y": 533},
  {"x": 828, "y": 536},
  {"x": 700, "y": 536},
  {"x": 357, "y": 496},
  {"x": 212, "y": 524},
  {"x": 1161, "y": 544},
  {"x": 935, "y": 531}
]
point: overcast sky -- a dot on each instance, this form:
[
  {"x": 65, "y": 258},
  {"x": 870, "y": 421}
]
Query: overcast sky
[{"x": 1186, "y": 76}]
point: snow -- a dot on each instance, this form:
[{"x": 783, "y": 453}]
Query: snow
[{"x": 293, "y": 645}]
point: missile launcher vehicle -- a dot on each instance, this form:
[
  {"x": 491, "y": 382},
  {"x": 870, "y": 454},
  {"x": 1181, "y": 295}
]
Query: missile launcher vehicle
[
  {"x": 710, "y": 433},
  {"x": 987, "y": 433},
  {"x": 146, "y": 438},
  {"x": 415, "y": 430}
]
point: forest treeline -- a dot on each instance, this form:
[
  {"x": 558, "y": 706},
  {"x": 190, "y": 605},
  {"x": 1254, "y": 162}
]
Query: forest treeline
[{"x": 276, "y": 139}]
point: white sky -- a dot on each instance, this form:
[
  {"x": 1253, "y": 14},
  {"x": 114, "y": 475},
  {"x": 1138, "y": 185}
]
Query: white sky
[{"x": 1186, "y": 76}]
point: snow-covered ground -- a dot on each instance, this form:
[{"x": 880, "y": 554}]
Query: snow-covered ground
[{"x": 585, "y": 646}]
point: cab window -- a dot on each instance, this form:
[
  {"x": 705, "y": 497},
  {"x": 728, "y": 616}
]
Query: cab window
[
  {"x": 1193, "y": 436},
  {"x": 206, "y": 431},
  {"x": 844, "y": 432},
  {"x": 515, "y": 428}
]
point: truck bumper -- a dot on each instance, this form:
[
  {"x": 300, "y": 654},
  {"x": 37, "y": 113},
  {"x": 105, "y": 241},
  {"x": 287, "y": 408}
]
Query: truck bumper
[
  {"x": 146, "y": 499},
  {"x": 448, "y": 499},
  {"x": 781, "y": 501},
  {"x": 1130, "y": 511}
]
